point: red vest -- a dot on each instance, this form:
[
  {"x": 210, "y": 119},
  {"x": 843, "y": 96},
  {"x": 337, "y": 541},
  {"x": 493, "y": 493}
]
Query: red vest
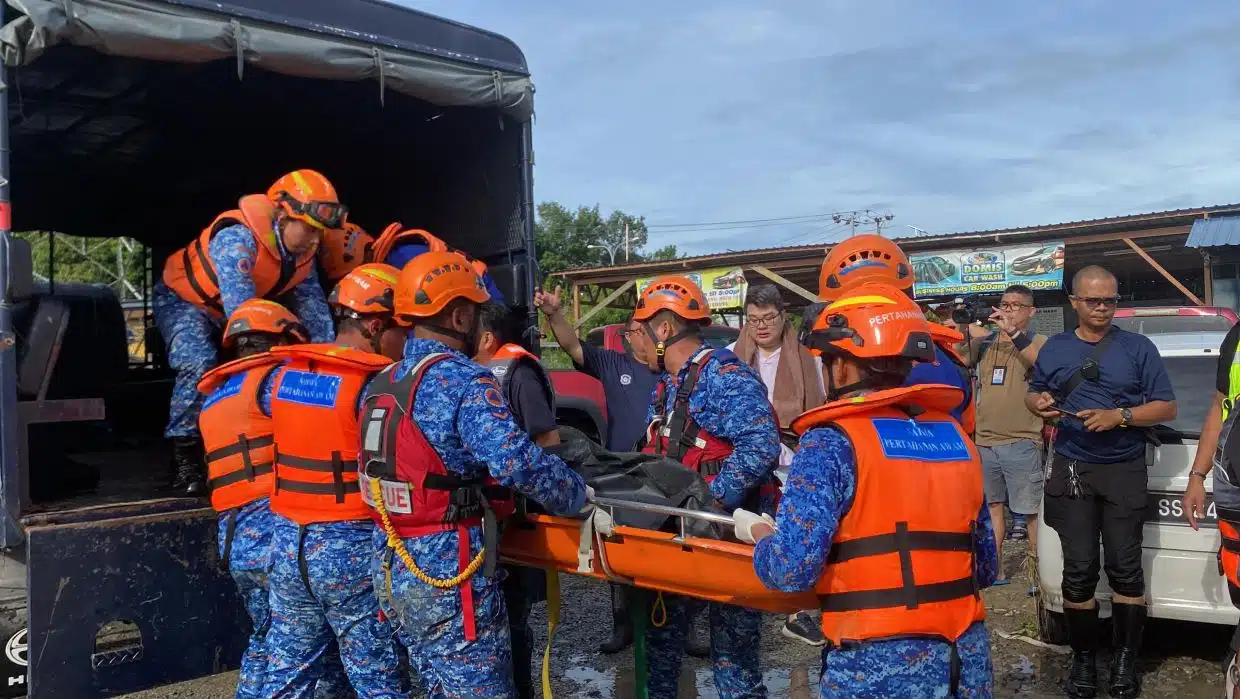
[
  {"x": 314, "y": 410},
  {"x": 235, "y": 432},
  {"x": 902, "y": 560},
  {"x": 420, "y": 495},
  {"x": 678, "y": 436}
]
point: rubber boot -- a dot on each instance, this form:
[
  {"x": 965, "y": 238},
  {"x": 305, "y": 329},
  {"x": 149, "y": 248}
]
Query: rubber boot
[
  {"x": 1082, "y": 682},
  {"x": 621, "y": 625},
  {"x": 1128, "y": 623},
  {"x": 189, "y": 469}
]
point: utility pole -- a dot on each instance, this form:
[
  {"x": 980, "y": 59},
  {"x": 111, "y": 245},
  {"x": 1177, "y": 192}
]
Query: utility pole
[
  {"x": 852, "y": 218},
  {"x": 626, "y": 241}
]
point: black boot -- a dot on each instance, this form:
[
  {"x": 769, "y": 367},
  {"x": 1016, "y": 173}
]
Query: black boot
[
  {"x": 1128, "y": 621},
  {"x": 1082, "y": 682},
  {"x": 189, "y": 477},
  {"x": 621, "y": 625}
]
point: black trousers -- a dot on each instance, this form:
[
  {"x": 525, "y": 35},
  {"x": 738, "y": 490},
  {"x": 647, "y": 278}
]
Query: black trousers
[
  {"x": 523, "y": 588},
  {"x": 1085, "y": 501}
]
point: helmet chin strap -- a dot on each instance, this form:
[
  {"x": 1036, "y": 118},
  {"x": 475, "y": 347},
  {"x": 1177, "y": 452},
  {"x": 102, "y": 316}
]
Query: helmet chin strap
[
  {"x": 660, "y": 346},
  {"x": 835, "y": 393}
]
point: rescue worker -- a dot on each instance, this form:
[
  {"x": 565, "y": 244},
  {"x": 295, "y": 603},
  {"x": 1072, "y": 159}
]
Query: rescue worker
[
  {"x": 240, "y": 448},
  {"x": 1217, "y": 458},
  {"x": 320, "y": 579},
  {"x": 442, "y": 458},
  {"x": 871, "y": 257},
  {"x": 883, "y": 514},
  {"x": 711, "y": 398},
  {"x": 397, "y": 245},
  {"x": 341, "y": 250},
  {"x": 529, "y": 394},
  {"x": 265, "y": 248}
]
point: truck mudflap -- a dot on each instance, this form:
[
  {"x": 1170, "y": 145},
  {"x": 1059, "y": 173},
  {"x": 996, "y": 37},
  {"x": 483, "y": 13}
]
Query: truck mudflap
[{"x": 129, "y": 597}]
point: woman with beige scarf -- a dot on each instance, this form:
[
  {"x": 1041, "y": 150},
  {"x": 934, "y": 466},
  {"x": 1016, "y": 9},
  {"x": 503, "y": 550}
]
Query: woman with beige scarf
[{"x": 794, "y": 384}]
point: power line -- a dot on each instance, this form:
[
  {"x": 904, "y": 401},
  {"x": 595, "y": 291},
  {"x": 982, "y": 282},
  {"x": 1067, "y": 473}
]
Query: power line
[{"x": 744, "y": 222}]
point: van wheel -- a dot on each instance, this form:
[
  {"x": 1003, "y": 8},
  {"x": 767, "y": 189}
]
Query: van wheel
[{"x": 1051, "y": 626}]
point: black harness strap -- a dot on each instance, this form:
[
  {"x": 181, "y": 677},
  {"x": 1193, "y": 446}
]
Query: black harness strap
[
  {"x": 230, "y": 530},
  {"x": 682, "y": 430},
  {"x": 909, "y": 595}
]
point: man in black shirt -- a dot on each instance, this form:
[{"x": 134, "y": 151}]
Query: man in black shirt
[
  {"x": 530, "y": 397},
  {"x": 628, "y": 384}
]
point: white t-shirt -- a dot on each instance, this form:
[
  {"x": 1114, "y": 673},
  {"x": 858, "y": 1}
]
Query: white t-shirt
[{"x": 768, "y": 365}]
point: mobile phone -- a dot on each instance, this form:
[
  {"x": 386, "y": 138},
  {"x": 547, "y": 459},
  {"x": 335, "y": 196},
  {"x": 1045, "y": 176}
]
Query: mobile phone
[{"x": 1061, "y": 411}]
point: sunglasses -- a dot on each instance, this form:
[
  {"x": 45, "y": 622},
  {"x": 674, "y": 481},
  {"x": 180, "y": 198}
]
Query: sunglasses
[{"x": 1096, "y": 301}]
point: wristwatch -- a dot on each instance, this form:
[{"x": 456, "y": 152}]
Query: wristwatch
[{"x": 1125, "y": 416}]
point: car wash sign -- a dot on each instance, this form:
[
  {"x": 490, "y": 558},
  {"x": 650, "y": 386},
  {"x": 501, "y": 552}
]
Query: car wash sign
[
  {"x": 724, "y": 288},
  {"x": 987, "y": 270}
]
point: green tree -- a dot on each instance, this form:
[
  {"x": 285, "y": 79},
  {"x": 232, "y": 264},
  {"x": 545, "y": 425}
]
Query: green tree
[{"x": 116, "y": 262}]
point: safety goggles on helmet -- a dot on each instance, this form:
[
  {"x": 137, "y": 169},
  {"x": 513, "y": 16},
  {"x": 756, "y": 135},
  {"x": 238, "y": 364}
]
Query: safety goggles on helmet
[{"x": 320, "y": 214}]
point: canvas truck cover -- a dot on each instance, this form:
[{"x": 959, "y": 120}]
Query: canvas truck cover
[{"x": 427, "y": 57}]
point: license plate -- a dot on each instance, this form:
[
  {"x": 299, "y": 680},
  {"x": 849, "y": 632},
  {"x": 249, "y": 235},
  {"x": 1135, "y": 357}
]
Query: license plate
[{"x": 1168, "y": 508}]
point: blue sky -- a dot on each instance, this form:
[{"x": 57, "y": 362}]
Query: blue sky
[{"x": 950, "y": 115}]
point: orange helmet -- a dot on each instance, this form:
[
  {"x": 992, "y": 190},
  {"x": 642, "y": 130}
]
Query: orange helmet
[
  {"x": 870, "y": 321},
  {"x": 431, "y": 281},
  {"x": 342, "y": 249},
  {"x": 306, "y": 195},
  {"x": 863, "y": 258},
  {"x": 262, "y": 316},
  {"x": 368, "y": 289},
  {"x": 672, "y": 293}
]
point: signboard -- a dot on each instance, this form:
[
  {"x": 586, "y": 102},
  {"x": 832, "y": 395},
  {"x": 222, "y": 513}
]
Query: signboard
[
  {"x": 987, "y": 270},
  {"x": 724, "y": 288}
]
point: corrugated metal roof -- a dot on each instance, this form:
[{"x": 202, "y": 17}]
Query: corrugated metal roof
[
  {"x": 1214, "y": 231},
  {"x": 919, "y": 242}
]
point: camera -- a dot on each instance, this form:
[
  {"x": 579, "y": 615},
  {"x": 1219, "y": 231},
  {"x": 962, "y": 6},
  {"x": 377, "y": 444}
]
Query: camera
[{"x": 972, "y": 309}]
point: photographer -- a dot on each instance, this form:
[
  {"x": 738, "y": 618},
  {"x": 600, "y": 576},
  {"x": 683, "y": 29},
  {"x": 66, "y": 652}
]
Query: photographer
[{"x": 1009, "y": 437}]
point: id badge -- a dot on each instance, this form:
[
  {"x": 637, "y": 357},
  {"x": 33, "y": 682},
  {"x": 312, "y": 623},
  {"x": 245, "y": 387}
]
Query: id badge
[{"x": 997, "y": 376}]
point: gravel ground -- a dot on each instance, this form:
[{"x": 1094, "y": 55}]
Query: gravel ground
[{"x": 1180, "y": 660}]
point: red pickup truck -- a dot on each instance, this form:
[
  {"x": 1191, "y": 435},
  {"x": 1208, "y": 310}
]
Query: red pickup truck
[{"x": 579, "y": 400}]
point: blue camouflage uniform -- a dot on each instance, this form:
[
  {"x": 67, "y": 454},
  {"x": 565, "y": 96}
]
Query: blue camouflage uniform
[
  {"x": 819, "y": 492},
  {"x": 191, "y": 335},
  {"x": 460, "y": 410},
  {"x": 729, "y": 402},
  {"x": 402, "y": 253},
  {"x": 321, "y": 591}
]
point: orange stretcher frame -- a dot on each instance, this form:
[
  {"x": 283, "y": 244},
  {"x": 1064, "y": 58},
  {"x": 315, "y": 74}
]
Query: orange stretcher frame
[{"x": 708, "y": 569}]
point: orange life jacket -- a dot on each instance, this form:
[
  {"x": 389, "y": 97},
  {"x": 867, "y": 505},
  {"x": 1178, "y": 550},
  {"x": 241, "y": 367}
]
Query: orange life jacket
[
  {"x": 191, "y": 274},
  {"x": 314, "y": 408},
  {"x": 236, "y": 434},
  {"x": 902, "y": 561},
  {"x": 395, "y": 233},
  {"x": 506, "y": 358}
]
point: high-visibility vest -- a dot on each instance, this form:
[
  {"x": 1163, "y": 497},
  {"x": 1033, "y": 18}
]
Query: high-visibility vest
[
  {"x": 314, "y": 411},
  {"x": 902, "y": 560}
]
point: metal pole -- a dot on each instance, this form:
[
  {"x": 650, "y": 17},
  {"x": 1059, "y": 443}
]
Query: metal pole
[
  {"x": 527, "y": 224},
  {"x": 10, "y": 476},
  {"x": 626, "y": 241}
]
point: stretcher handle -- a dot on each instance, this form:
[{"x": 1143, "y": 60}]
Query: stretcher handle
[{"x": 665, "y": 510}]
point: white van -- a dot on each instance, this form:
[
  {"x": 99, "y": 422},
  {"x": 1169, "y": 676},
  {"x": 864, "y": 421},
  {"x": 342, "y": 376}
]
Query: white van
[{"x": 1182, "y": 575}]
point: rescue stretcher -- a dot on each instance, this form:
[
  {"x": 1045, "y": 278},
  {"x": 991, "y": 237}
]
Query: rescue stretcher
[{"x": 669, "y": 562}]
